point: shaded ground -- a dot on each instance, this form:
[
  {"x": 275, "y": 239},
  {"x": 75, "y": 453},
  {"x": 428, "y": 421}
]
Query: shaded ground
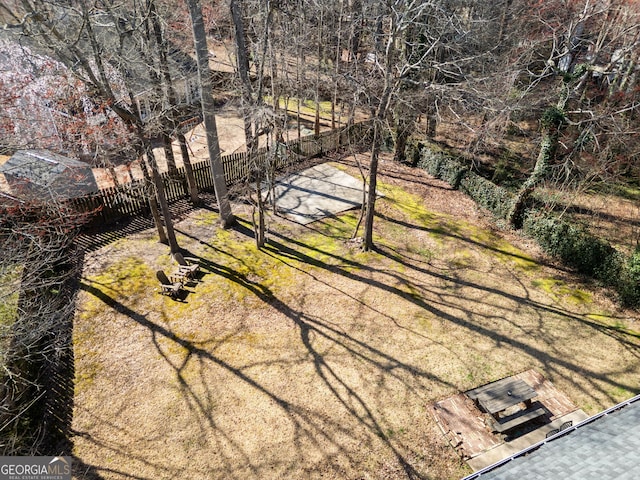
[{"x": 311, "y": 359}]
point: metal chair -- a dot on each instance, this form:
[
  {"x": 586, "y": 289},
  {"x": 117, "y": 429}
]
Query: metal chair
[
  {"x": 566, "y": 425},
  {"x": 551, "y": 433}
]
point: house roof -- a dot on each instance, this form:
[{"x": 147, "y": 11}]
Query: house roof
[
  {"x": 602, "y": 447},
  {"x": 123, "y": 50},
  {"x": 119, "y": 46},
  {"x": 40, "y": 173}
]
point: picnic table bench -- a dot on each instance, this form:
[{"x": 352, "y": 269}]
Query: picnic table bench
[
  {"x": 498, "y": 397},
  {"x": 519, "y": 418}
]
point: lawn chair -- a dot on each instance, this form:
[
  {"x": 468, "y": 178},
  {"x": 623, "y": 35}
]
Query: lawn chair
[
  {"x": 168, "y": 287},
  {"x": 187, "y": 266}
]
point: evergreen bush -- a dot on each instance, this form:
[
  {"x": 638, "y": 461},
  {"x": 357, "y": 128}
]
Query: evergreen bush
[
  {"x": 487, "y": 194},
  {"x": 443, "y": 166},
  {"x": 629, "y": 285},
  {"x": 574, "y": 246},
  {"x": 571, "y": 243}
]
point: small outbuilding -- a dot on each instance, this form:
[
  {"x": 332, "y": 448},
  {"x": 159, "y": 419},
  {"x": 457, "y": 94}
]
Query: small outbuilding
[{"x": 43, "y": 175}]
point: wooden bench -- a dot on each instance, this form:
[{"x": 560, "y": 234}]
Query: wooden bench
[{"x": 518, "y": 418}]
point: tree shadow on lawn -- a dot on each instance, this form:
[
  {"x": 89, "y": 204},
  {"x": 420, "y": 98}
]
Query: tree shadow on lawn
[
  {"x": 280, "y": 249},
  {"x": 85, "y": 471},
  {"x": 620, "y": 334},
  {"x": 454, "y": 236},
  {"x": 551, "y": 362},
  {"x": 314, "y": 426}
]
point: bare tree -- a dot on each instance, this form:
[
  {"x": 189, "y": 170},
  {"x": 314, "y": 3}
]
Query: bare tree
[
  {"x": 592, "y": 53},
  {"x": 77, "y": 35},
  {"x": 395, "y": 57},
  {"x": 39, "y": 267},
  {"x": 208, "y": 109},
  {"x": 258, "y": 118},
  {"x": 169, "y": 94}
]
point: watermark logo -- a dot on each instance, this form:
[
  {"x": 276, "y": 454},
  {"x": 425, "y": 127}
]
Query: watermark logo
[{"x": 35, "y": 468}]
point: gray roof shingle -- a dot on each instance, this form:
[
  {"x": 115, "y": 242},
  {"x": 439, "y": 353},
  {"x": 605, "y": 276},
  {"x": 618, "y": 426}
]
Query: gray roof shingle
[
  {"x": 41, "y": 174},
  {"x": 603, "y": 447}
]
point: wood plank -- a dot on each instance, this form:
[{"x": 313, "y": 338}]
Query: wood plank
[
  {"x": 500, "y": 395},
  {"x": 517, "y": 419}
]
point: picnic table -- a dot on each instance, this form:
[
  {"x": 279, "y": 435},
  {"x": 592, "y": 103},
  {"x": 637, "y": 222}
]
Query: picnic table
[{"x": 495, "y": 398}]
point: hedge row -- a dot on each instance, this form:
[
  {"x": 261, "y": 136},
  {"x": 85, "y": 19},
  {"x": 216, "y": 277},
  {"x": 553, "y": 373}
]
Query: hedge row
[
  {"x": 570, "y": 243},
  {"x": 442, "y": 165}
]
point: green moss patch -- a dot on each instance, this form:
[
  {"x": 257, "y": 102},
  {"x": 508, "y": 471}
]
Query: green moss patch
[
  {"x": 613, "y": 323},
  {"x": 445, "y": 228},
  {"x": 559, "y": 289}
]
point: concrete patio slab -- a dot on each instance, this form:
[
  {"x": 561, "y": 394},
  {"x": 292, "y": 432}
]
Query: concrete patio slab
[{"x": 317, "y": 192}]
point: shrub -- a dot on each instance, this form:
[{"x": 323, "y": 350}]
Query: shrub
[
  {"x": 487, "y": 194},
  {"x": 571, "y": 243},
  {"x": 443, "y": 166},
  {"x": 574, "y": 246},
  {"x": 430, "y": 158},
  {"x": 629, "y": 288}
]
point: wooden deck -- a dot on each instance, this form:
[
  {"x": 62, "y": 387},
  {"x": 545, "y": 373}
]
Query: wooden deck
[{"x": 469, "y": 430}]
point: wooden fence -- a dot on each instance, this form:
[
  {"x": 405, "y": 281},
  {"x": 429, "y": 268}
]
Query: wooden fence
[{"x": 116, "y": 203}]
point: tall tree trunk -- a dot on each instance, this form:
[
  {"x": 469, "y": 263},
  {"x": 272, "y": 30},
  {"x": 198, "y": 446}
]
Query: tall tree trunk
[
  {"x": 168, "y": 153},
  {"x": 548, "y": 147},
  {"x": 316, "y": 125},
  {"x": 172, "y": 101},
  {"x": 242, "y": 59},
  {"x": 162, "y": 198},
  {"x": 338, "y": 58},
  {"x": 250, "y": 101},
  {"x": 379, "y": 118},
  {"x": 367, "y": 243},
  {"x": 188, "y": 168},
  {"x": 553, "y": 120},
  {"x": 153, "y": 200},
  {"x": 356, "y": 32},
  {"x": 299, "y": 67},
  {"x": 155, "y": 214},
  {"x": 370, "y": 207},
  {"x": 208, "y": 108}
]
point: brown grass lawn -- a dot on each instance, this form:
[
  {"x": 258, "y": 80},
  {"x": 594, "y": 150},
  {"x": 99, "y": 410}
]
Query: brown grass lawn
[{"x": 310, "y": 359}]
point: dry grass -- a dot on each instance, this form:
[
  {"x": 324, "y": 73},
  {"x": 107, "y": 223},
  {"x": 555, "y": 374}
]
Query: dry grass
[
  {"x": 608, "y": 216},
  {"x": 612, "y": 216},
  {"x": 311, "y": 359}
]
